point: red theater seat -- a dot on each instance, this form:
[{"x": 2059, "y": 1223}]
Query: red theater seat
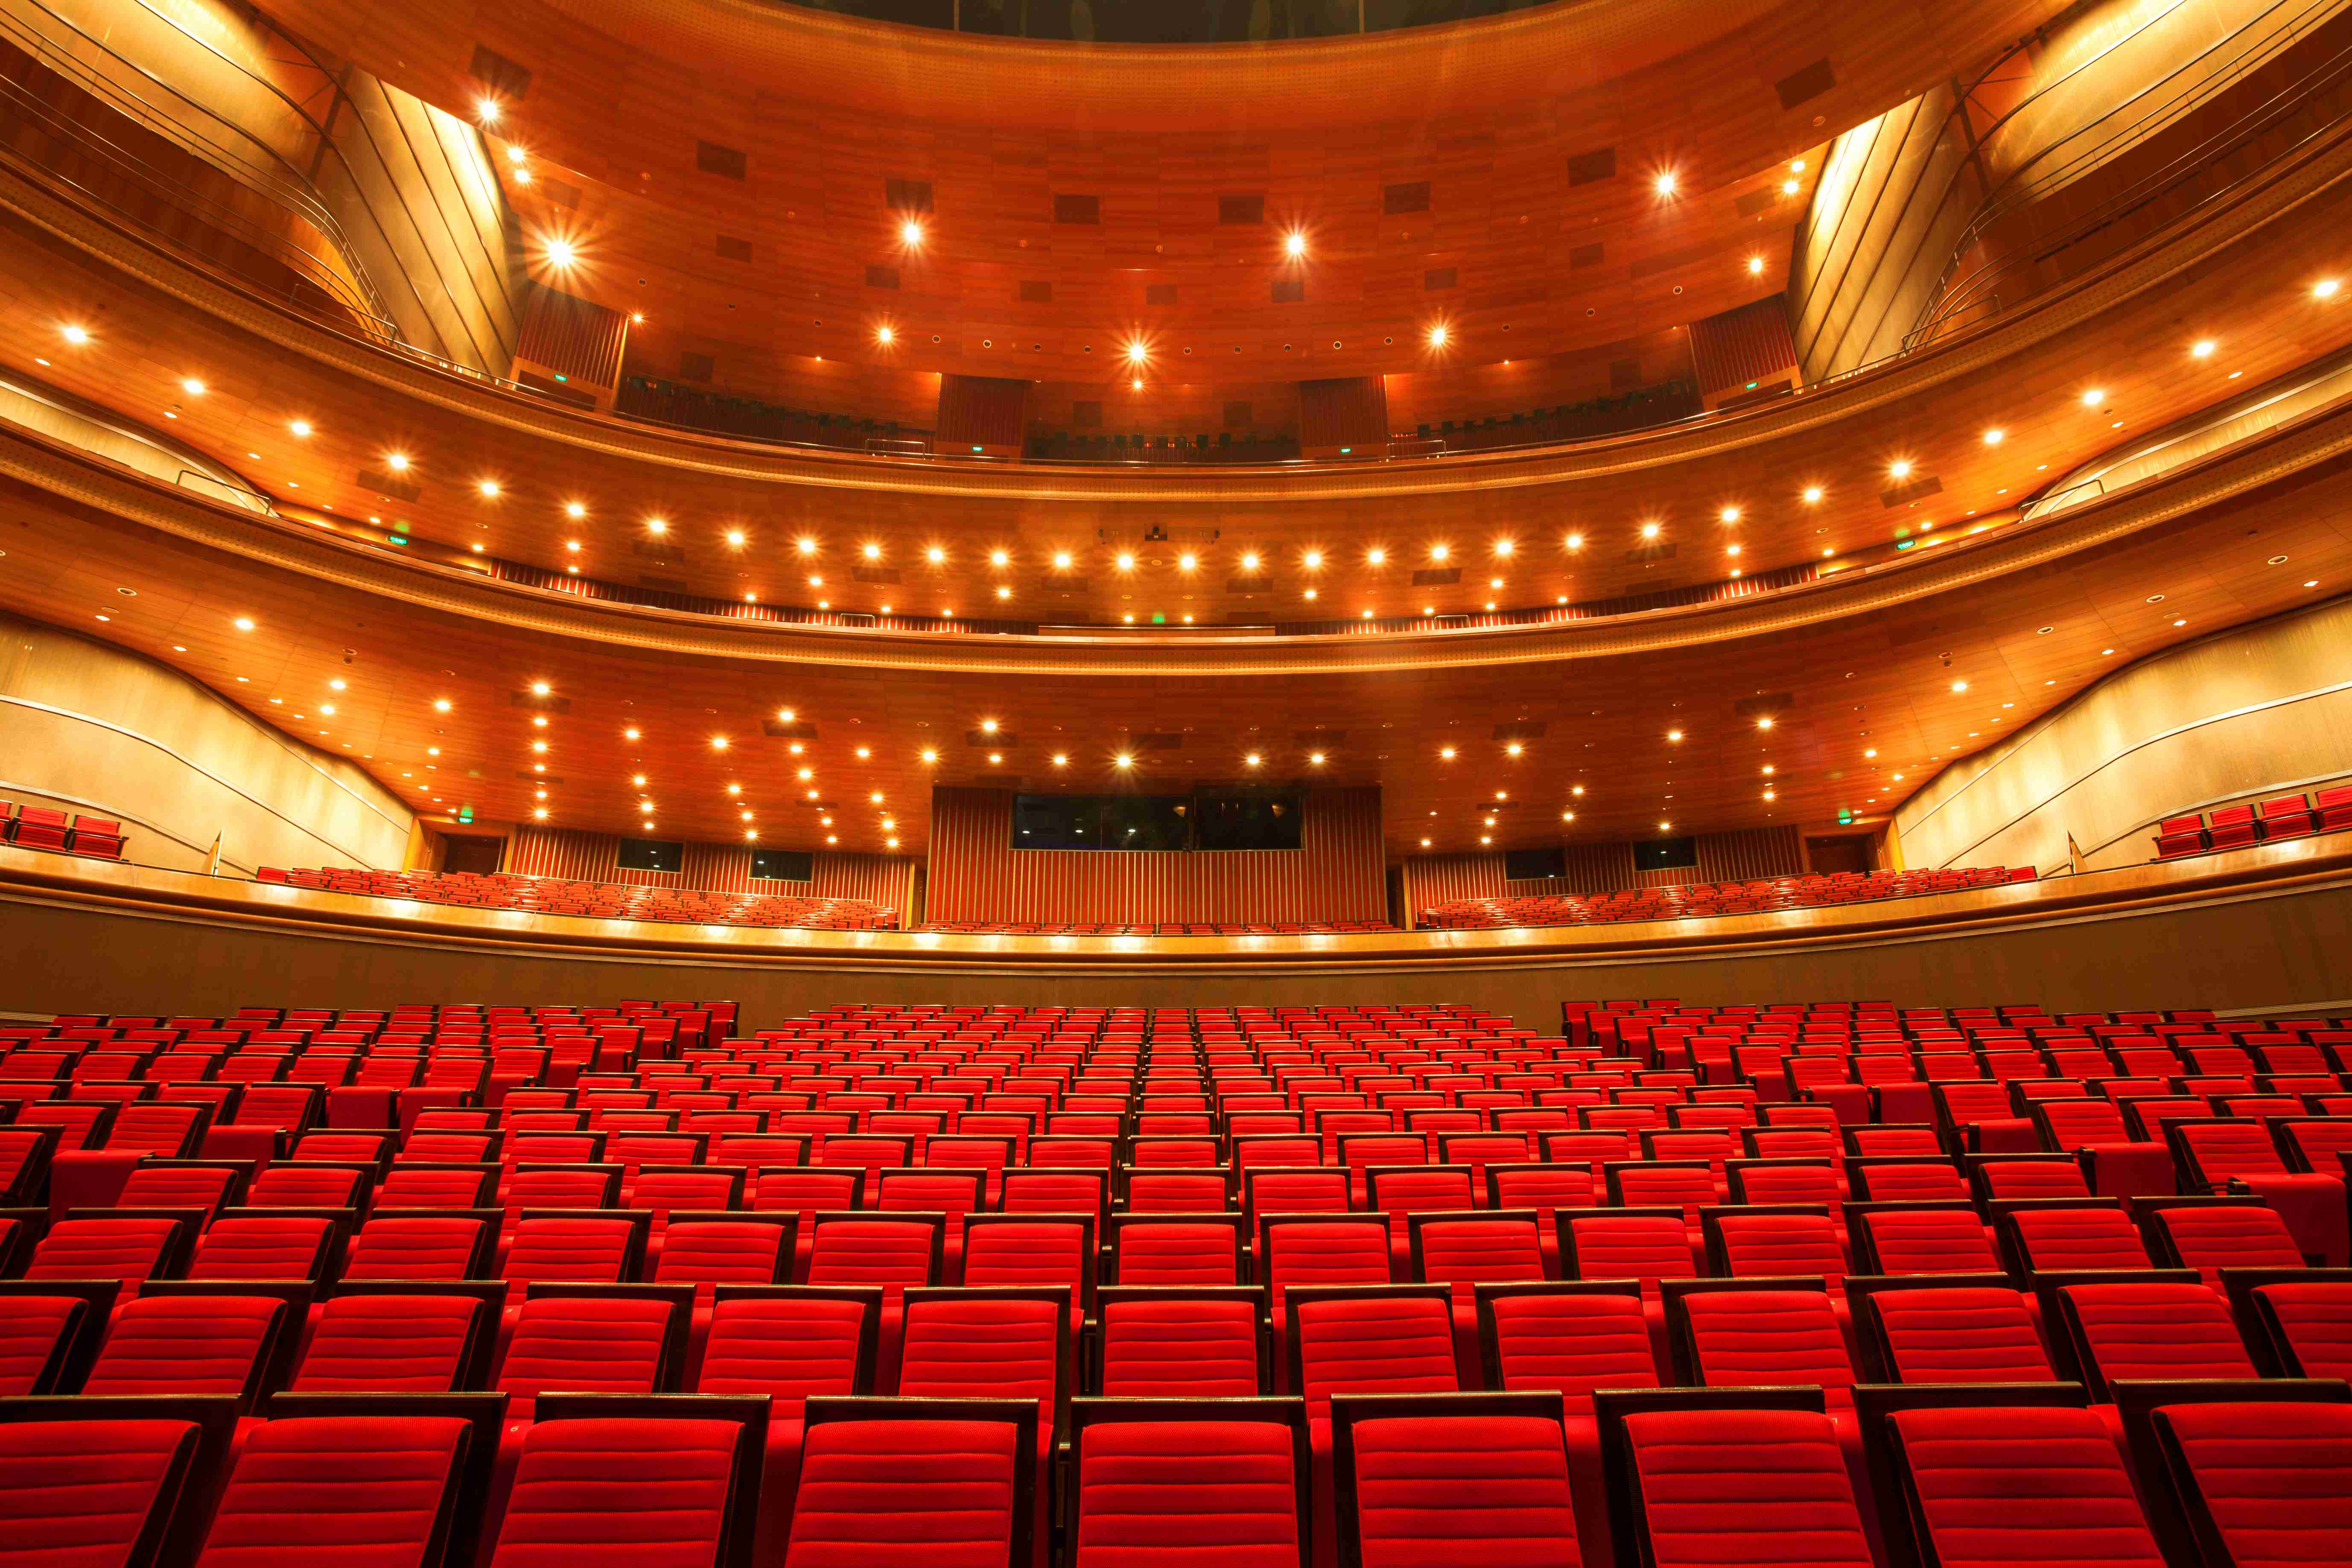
[{"x": 1227, "y": 1481}]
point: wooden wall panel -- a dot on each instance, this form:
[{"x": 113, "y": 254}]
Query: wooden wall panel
[
  {"x": 1338, "y": 874},
  {"x": 2269, "y": 950},
  {"x": 705, "y": 868},
  {"x": 1343, "y": 414},
  {"x": 1741, "y": 855},
  {"x": 1742, "y": 352},
  {"x": 982, "y": 413},
  {"x": 573, "y": 337}
]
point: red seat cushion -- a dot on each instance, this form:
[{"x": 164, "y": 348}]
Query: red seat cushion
[
  {"x": 1223, "y": 1489},
  {"x": 2275, "y": 1477},
  {"x": 1773, "y": 1480},
  {"x": 82, "y": 1494},
  {"x": 2022, "y": 1485},
  {"x": 619, "y": 1493},
  {"x": 1485, "y": 1489},
  {"x": 902, "y": 1494},
  {"x": 360, "y": 1492}
]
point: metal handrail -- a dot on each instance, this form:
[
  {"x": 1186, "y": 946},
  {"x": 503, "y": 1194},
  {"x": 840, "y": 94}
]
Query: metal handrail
[
  {"x": 288, "y": 187},
  {"x": 2018, "y": 193}
]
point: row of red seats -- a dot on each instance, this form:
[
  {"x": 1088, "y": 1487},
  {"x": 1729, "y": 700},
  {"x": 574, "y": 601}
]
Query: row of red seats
[
  {"x": 1165, "y": 928},
  {"x": 2234, "y": 827},
  {"x": 43, "y": 827},
  {"x": 867, "y": 1243},
  {"x": 606, "y": 900},
  {"x": 1691, "y": 900}
]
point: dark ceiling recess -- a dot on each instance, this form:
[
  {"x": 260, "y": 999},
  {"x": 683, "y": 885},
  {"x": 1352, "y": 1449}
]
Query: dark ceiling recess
[
  {"x": 1036, "y": 293},
  {"x": 499, "y": 74},
  {"x": 1411, "y": 198},
  {"x": 1438, "y": 277},
  {"x": 799, "y": 730},
  {"x": 1584, "y": 168},
  {"x": 908, "y": 195},
  {"x": 384, "y": 484},
  {"x": 1078, "y": 209},
  {"x": 1805, "y": 82},
  {"x": 997, "y": 742},
  {"x": 1241, "y": 209},
  {"x": 1436, "y": 576},
  {"x": 1764, "y": 705},
  {"x": 728, "y": 162},
  {"x": 1912, "y": 491},
  {"x": 538, "y": 703},
  {"x": 1525, "y": 729}
]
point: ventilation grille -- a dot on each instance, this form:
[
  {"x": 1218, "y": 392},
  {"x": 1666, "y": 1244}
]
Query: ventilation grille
[
  {"x": 1409, "y": 198},
  {"x": 728, "y": 162},
  {"x": 1241, "y": 209},
  {"x": 1290, "y": 290},
  {"x": 538, "y": 703},
  {"x": 1078, "y": 209},
  {"x": 1583, "y": 256},
  {"x": 661, "y": 550},
  {"x": 875, "y": 573},
  {"x": 1436, "y": 576},
  {"x": 1755, "y": 201},
  {"x": 499, "y": 74},
  {"x": 1902, "y": 494},
  {"x": 1311, "y": 737},
  {"x": 1000, "y": 741},
  {"x": 1159, "y": 294},
  {"x": 800, "y": 730},
  {"x": 1036, "y": 293},
  {"x": 384, "y": 484},
  {"x": 1649, "y": 552},
  {"x": 880, "y": 276},
  {"x": 1764, "y": 705},
  {"x": 1584, "y": 168},
  {"x": 1525, "y": 729},
  {"x": 1162, "y": 741},
  {"x": 1806, "y": 82},
  {"x": 734, "y": 249},
  {"x": 1438, "y": 277},
  {"x": 908, "y": 195}
]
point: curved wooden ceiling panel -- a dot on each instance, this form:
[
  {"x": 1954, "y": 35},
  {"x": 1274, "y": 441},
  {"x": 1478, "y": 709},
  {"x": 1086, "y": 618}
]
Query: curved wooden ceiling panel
[
  {"x": 2126, "y": 334},
  {"x": 740, "y": 173},
  {"x": 1626, "y": 727}
]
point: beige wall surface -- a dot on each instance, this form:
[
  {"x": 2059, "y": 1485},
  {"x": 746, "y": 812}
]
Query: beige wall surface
[
  {"x": 90, "y": 728},
  {"x": 2264, "y": 709},
  {"x": 2246, "y": 946}
]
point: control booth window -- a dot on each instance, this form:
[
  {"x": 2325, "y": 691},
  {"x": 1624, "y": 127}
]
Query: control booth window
[
  {"x": 1534, "y": 865},
  {"x": 1147, "y": 822},
  {"x": 783, "y": 865},
  {"x": 1056, "y": 822},
  {"x": 652, "y": 854},
  {"x": 1247, "y": 820},
  {"x": 1666, "y": 854}
]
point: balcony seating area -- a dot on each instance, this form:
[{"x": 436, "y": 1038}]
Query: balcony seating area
[
  {"x": 700, "y": 408},
  {"x": 597, "y": 900},
  {"x": 41, "y": 827},
  {"x": 2234, "y": 827},
  {"x": 1692, "y": 900},
  {"x": 1220, "y": 928},
  {"x": 1396, "y": 1285}
]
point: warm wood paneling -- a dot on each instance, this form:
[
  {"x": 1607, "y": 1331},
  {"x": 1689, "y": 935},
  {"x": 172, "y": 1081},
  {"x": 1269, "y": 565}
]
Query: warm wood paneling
[
  {"x": 1336, "y": 874},
  {"x": 2269, "y": 930}
]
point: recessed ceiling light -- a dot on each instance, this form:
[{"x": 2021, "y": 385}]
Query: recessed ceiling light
[
  {"x": 1755, "y": 263},
  {"x": 910, "y": 233},
  {"x": 1959, "y": 685},
  {"x": 2325, "y": 287},
  {"x": 75, "y": 334},
  {"x": 2094, "y": 397},
  {"x": 1764, "y": 722},
  {"x": 2202, "y": 348},
  {"x": 1900, "y": 468},
  {"x": 1665, "y": 183},
  {"x": 1252, "y": 760},
  {"x": 244, "y": 623},
  {"x": 1813, "y": 494},
  {"x": 1314, "y": 758},
  {"x": 1376, "y": 556},
  {"x": 1995, "y": 436},
  {"x": 1674, "y": 734},
  {"x": 883, "y": 335},
  {"x": 1437, "y": 337},
  {"x": 1514, "y": 749},
  {"x": 1649, "y": 530},
  {"x": 1446, "y": 752}
]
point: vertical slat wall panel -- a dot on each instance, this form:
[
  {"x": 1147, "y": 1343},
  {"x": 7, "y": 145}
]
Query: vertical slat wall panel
[
  {"x": 1751, "y": 854},
  {"x": 706, "y": 868},
  {"x": 1746, "y": 854},
  {"x": 1336, "y": 874}
]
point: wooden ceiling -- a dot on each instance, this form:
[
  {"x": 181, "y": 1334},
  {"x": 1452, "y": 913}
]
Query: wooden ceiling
[
  {"x": 742, "y": 175},
  {"x": 1589, "y": 719},
  {"x": 2128, "y": 336}
]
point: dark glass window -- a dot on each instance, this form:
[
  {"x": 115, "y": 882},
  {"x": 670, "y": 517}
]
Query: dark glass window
[
  {"x": 1665, "y": 854},
  {"x": 652, "y": 854},
  {"x": 783, "y": 865}
]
